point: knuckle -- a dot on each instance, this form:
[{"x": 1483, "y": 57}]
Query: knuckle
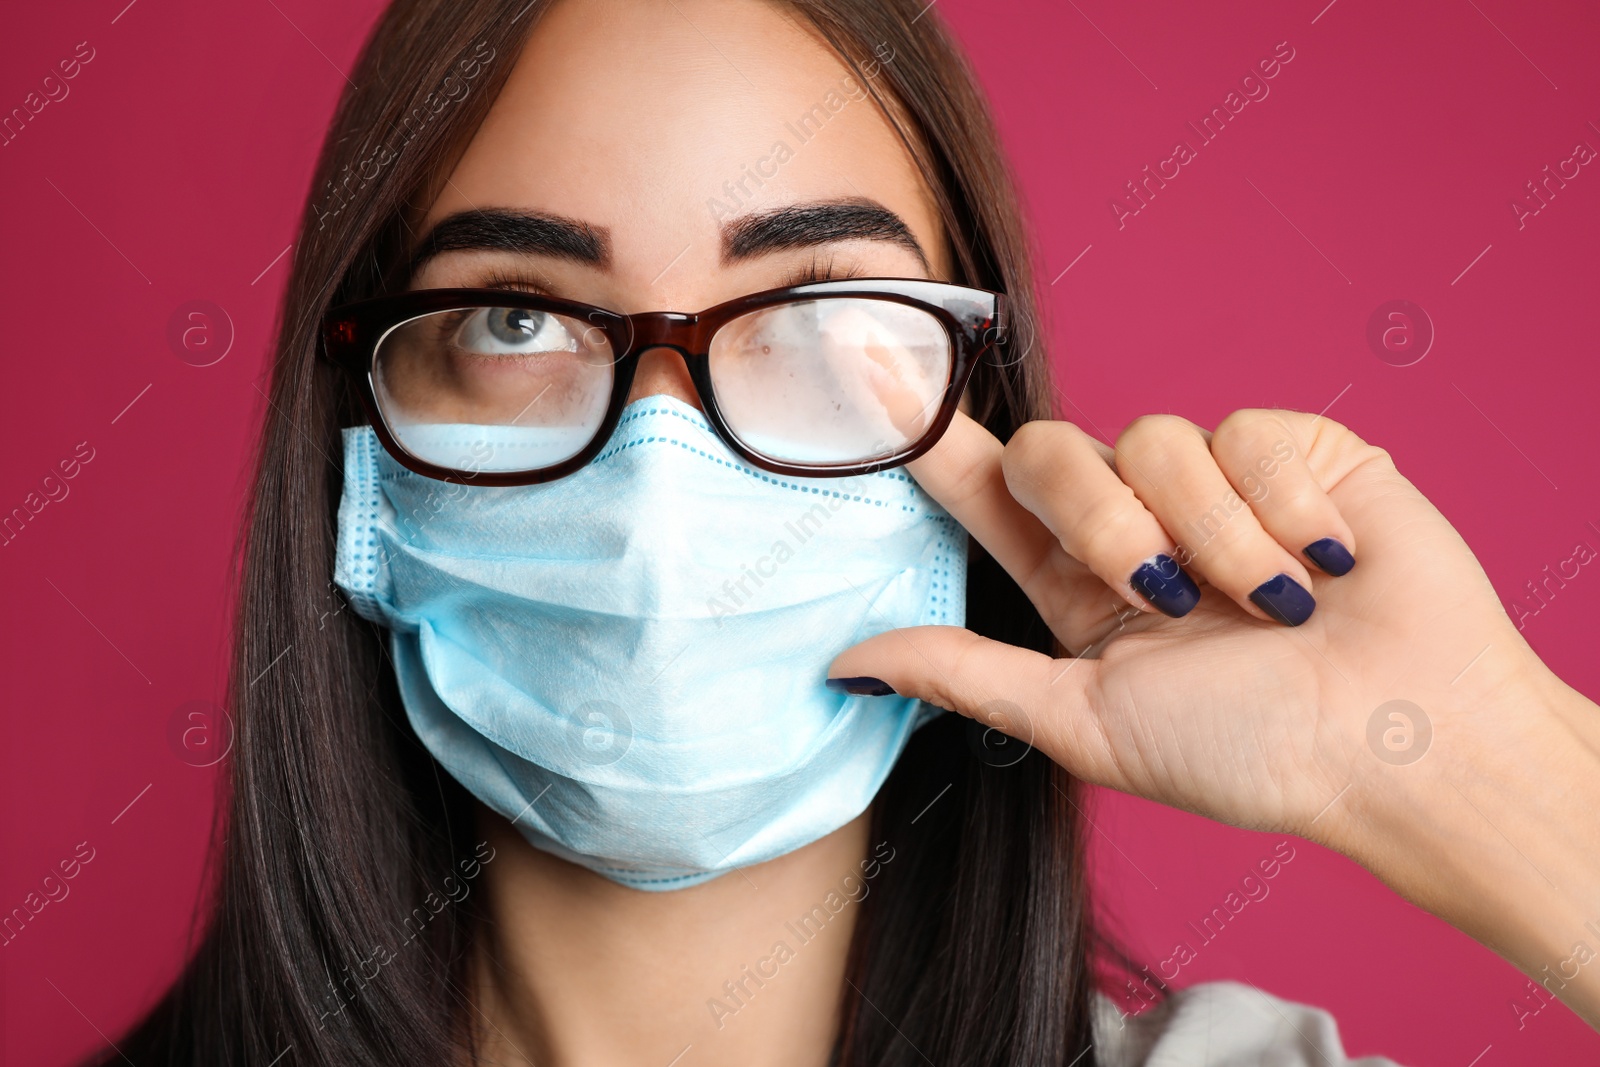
[
  {"x": 1108, "y": 528},
  {"x": 1252, "y": 437},
  {"x": 1048, "y": 458},
  {"x": 1370, "y": 462},
  {"x": 1336, "y": 451},
  {"x": 1335, "y": 428},
  {"x": 1153, "y": 435},
  {"x": 948, "y": 688},
  {"x": 1336, "y": 440},
  {"x": 1034, "y": 444},
  {"x": 1243, "y": 418},
  {"x": 1365, "y": 453},
  {"x": 1300, "y": 509}
]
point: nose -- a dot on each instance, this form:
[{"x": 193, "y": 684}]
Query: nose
[{"x": 662, "y": 372}]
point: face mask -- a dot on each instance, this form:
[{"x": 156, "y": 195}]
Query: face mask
[{"x": 629, "y": 662}]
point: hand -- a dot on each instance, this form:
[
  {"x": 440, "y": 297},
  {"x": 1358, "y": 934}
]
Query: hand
[{"x": 1227, "y": 710}]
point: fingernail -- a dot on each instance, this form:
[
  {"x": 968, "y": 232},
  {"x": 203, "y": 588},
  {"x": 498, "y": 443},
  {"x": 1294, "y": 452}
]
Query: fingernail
[
  {"x": 1330, "y": 555},
  {"x": 862, "y": 687},
  {"x": 1284, "y": 599},
  {"x": 1161, "y": 581}
]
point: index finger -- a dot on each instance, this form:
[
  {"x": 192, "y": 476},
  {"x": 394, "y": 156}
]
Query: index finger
[{"x": 962, "y": 472}]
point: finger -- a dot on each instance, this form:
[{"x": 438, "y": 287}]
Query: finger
[
  {"x": 1265, "y": 455},
  {"x": 1038, "y": 700},
  {"x": 962, "y": 472},
  {"x": 909, "y": 396},
  {"x": 1060, "y": 474},
  {"x": 881, "y": 373},
  {"x": 1167, "y": 463}
]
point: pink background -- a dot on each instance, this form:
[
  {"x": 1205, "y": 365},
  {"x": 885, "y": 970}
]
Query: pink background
[{"x": 1381, "y": 166}]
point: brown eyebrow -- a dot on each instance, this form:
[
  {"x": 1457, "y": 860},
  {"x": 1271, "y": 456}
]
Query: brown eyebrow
[
  {"x": 522, "y": 232},
  {"x": 805, "y": 225}
]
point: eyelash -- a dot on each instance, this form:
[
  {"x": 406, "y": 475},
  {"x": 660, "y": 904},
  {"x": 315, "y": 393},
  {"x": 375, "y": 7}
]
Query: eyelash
[
  {"x": 812, "y": 272},
  {"x": 513, "y": 280}
]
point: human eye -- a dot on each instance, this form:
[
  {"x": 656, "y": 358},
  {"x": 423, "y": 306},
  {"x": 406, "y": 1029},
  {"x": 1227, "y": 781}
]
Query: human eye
[{"x": 512, "y": 332}]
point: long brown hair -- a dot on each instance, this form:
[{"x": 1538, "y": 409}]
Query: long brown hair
[{"x": 973, "y": 947}]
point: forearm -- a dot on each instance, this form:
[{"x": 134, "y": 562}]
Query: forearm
[{"x": 1505, "y": 845}]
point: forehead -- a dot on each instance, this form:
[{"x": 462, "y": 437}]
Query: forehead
[{"x": 659, "y": 120}]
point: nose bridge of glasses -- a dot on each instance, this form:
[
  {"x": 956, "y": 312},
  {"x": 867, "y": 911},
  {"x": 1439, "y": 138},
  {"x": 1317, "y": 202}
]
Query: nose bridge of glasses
[
  {"x": 663, "y": 343},
  {"x": 664, "y": 329}
]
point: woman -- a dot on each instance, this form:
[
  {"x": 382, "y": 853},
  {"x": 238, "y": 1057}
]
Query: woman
[{"x": 567, "y": 784}]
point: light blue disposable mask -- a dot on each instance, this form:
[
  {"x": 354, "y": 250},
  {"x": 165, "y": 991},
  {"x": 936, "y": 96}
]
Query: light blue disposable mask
[{"x": 629, "y": 662}]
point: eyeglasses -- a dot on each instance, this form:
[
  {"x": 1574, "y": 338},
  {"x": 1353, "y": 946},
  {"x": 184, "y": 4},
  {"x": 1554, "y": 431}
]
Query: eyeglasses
[{"x": 827, "y": 379}]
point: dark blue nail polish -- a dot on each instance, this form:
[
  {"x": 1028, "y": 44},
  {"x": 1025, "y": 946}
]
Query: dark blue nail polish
[
  {"x": 1161, "y": 581},
  {"x": 1284, "y": 599},
  {"x": 1330, "y": 555},
  {"x": 862, "y": 687}
]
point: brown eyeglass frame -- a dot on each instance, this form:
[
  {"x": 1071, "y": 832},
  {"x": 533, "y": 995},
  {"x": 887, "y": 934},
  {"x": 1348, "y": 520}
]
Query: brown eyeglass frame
[{"x": 973, "y": 319}]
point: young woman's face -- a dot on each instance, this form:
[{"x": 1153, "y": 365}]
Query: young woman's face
[{"x": 713, "y": 147}]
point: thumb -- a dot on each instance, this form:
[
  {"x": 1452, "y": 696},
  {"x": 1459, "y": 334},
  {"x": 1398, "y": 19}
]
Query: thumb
[{"x": 1024, "y": 694}]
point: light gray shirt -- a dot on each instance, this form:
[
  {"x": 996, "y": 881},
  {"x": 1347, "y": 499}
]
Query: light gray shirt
[{"x": 1221, "y": 1024}]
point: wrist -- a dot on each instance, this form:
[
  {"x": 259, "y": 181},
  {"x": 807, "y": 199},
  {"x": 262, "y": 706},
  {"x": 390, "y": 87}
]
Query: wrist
[{"x": 1495, "y": 830}]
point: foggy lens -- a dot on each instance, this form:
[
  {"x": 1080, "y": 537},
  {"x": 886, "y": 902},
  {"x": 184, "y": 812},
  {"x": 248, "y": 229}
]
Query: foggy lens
[
  {"x": 831, "y": 381},
  {"x": 493, "y": 389}
]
